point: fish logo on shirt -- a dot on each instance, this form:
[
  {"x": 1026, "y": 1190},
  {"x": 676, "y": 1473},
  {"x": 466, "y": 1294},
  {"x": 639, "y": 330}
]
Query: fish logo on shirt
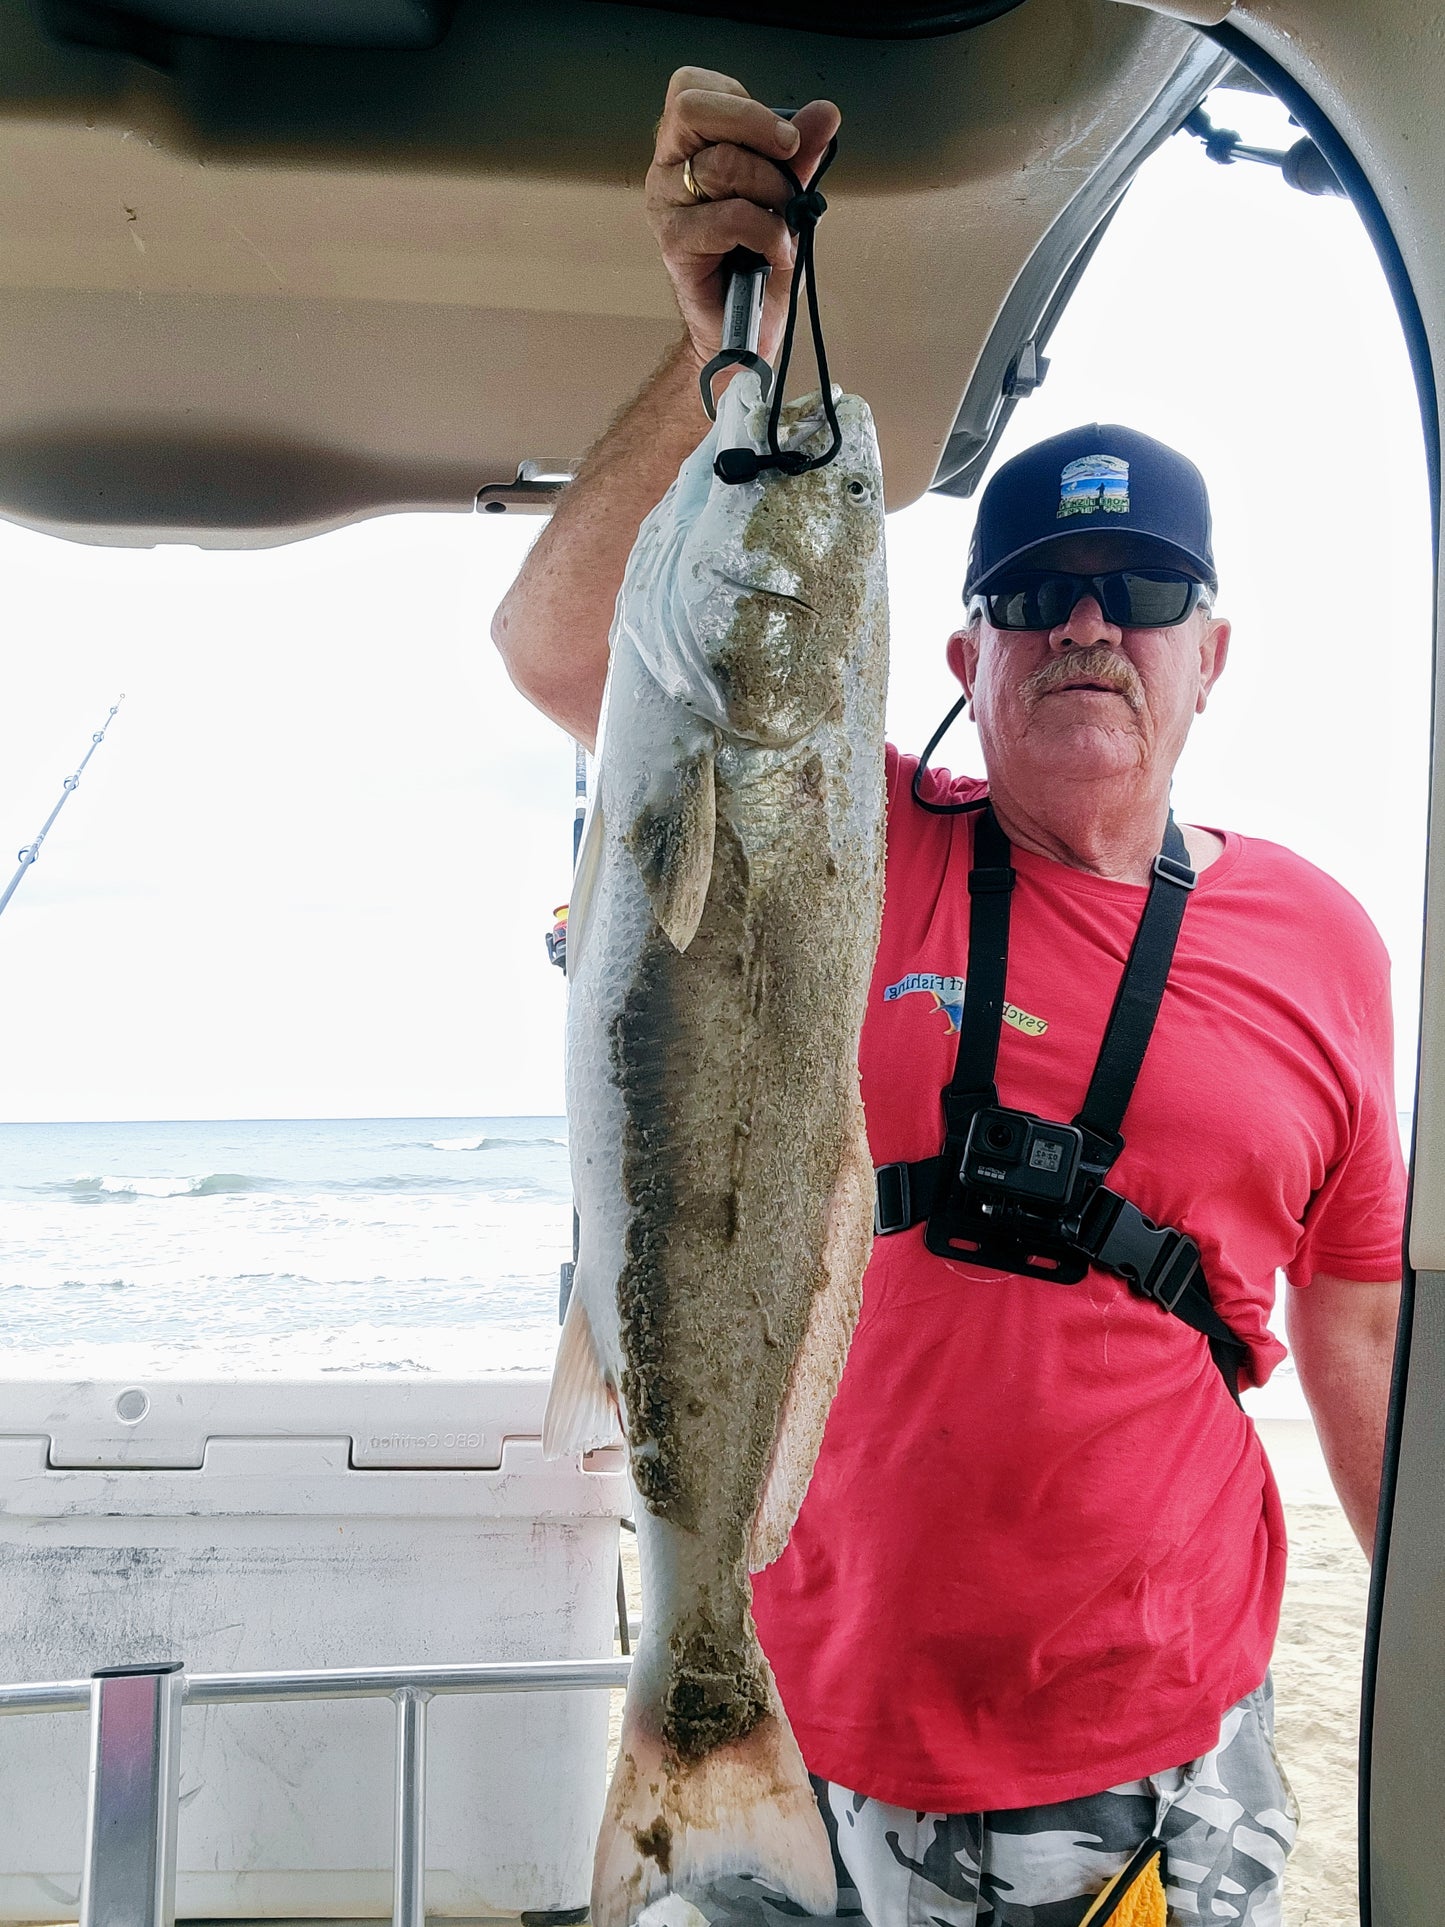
[{"x": 947, "y": 995}]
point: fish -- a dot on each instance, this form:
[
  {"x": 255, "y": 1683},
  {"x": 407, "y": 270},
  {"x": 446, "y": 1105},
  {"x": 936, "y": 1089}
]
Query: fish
[{"x": 721, "y": 938}]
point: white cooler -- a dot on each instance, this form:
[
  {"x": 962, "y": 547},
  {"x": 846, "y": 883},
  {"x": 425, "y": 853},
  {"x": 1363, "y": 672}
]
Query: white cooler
[{"x": 278, "y": 1524}]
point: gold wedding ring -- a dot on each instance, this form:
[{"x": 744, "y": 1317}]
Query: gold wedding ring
[{"x": 689, "y": 182}]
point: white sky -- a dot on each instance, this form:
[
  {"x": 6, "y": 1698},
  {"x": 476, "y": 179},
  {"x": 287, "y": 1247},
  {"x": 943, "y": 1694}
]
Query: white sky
[{"x": 309, "y": 872}]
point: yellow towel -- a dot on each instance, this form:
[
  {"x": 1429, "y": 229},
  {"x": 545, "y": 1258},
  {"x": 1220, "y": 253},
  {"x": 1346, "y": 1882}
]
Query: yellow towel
[{"x": 1139, "y": 1903}]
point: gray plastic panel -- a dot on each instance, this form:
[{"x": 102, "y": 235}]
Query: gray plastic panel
[{"x": 1407, "y": 1739}]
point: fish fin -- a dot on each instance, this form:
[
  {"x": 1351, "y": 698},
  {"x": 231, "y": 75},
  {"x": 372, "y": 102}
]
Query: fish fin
[
  {"x": 581, "y": 1409},
  {"x": 671, "y": 1825},
  {"x": 672, "y": 842},
  {"x": 823, "y": 1352},
  {"x": 584, "y": 884}
]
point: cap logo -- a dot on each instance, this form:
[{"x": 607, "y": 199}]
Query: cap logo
[{"x": 1094, "y": 483}]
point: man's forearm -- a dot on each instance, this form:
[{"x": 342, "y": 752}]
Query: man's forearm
[
  {"x": 552, "y": 626},
  {"x": 1342, "y": 1334}
]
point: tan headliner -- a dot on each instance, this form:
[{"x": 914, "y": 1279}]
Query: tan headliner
[{"x": 280, "y": 289}]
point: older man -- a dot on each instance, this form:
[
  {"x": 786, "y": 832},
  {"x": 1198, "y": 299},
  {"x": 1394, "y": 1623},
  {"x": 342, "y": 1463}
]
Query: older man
[{"x": 1025, "y": 1619}]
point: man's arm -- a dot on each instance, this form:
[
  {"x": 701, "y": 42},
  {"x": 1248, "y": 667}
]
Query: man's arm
[
  {"x": 1342, "y": 1335},
  {"x": 553, "y": 624}
]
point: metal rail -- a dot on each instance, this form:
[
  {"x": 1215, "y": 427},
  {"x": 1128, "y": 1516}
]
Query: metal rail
[{"x": 133, "y": 1803}]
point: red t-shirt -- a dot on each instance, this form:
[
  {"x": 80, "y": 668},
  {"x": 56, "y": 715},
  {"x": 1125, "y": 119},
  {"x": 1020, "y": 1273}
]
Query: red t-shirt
[{"x": 1042, "y": 1551}]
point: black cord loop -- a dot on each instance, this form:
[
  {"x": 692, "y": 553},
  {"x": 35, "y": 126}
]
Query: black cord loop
[
  {"x": 807, "y": 206},
  {"x": 944, "y": 809},
  {"x": 802, "y": 212}
]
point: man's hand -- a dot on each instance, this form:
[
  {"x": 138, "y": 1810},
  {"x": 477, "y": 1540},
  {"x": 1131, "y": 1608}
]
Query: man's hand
[
  {"x": 551, "y": 627},
  {"x": 732, "y": 142}
]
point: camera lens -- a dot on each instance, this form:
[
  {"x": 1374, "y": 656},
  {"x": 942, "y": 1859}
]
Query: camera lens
[{"x": 998, "y": 1137}]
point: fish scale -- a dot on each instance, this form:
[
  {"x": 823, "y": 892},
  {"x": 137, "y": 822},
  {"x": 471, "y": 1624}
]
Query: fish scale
[{"x": 721, "y": 941}]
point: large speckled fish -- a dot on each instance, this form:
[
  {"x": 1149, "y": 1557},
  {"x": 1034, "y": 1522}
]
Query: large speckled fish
[{"x": 719, "y": 948}]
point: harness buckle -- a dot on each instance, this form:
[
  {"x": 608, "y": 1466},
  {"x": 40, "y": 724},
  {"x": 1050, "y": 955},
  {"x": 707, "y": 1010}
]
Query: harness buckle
[
  {"x": 1158, "y": 1261},
  {"x": 892, "y": 1200}
]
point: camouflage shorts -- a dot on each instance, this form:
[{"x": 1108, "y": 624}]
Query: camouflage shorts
[{"x": 1228, "y": 1822}]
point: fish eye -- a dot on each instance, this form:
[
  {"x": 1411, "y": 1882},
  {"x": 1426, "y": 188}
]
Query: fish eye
[{"x": 859, "y": 491}]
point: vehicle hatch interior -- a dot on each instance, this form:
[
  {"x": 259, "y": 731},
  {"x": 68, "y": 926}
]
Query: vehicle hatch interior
[{"x": 269, "y": 267}]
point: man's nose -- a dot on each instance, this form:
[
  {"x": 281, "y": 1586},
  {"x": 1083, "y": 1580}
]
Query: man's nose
[{"x": 1086, "y": 627}]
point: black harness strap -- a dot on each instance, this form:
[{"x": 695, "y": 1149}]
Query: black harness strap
[
  {"x": 1136, "y": 1002},
  {"x": 990, "y": 898},
  {"x": 905, "y": 1193},
  {"x": 1140, "y": 992},
  {"x": 1157, "y": 1261}
]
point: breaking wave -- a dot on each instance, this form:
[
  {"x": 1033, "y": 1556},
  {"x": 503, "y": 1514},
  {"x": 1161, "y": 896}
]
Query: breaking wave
[
  {"x": 491, "y": 1143},
  {"x": 219, "y": 1184},
  {"x": 215, "y": 1184}
]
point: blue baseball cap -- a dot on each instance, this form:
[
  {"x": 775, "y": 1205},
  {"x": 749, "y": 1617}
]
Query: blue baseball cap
[{"x": 1099, "y": 479}]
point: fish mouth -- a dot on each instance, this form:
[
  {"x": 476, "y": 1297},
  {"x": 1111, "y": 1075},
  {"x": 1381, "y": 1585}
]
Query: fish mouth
[{"x": 759, "y": 588}]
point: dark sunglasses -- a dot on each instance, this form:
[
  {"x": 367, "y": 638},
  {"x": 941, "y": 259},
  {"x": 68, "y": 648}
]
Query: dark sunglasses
[{"x": 1132, "y": 598}]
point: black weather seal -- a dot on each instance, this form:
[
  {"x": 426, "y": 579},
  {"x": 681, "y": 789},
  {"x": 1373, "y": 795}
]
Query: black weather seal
[
  {"x": 1347, "y": 170},
  {"x": 848, "y": 19}
]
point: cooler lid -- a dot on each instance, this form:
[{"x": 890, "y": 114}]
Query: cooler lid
[{"x": 417, "y": 1422}]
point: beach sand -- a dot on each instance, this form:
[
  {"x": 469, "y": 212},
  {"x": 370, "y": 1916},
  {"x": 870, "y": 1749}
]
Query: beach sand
[
  {"x": 1317, "y": 1706},
  {"x": 1316, "y": 1677},
  {"x": 1317, "y": 1661}
]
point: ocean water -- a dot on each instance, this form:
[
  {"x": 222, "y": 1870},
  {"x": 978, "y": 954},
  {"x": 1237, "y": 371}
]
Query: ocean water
[
  {"x": 200, "y": 1249},
  {"x": 321, "y": 1245}
]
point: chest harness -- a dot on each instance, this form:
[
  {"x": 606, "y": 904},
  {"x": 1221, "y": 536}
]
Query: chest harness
[{"x": 1018, "y": 1193}]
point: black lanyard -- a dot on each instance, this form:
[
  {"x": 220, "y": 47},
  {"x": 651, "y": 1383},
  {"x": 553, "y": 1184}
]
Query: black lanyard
[{"x": 802, "y": 212}]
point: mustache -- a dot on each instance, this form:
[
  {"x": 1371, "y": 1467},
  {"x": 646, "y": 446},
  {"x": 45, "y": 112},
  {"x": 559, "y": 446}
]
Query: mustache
[{"x": 1098, "y": 665}]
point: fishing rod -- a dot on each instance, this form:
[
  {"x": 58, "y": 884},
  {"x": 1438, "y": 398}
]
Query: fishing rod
[
  {"x": 557, "y": 952},
  {"x": 557, "y": 936},
  {"x": 579, "y": 813},
  {"x": 32, "y": 850}
]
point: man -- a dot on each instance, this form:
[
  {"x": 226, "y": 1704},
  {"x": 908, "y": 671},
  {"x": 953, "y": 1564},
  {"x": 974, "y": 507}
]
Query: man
[{"x": 1026, "y": 1614}]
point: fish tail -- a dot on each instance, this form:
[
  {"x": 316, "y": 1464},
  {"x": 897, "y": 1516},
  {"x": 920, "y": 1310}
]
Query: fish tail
[{"x": 672, "y": 1825}]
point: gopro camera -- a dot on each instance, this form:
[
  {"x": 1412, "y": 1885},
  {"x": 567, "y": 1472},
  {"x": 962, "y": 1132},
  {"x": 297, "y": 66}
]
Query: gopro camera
[{"x": 1023, "y": 1158}]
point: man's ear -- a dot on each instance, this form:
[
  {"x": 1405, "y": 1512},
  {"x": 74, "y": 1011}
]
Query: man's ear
[
  {"x": 962, "y": 654},
  {"x": 1213, "y": 655}
]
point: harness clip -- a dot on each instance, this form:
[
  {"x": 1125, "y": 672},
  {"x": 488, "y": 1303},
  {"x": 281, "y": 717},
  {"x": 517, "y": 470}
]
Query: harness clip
[
  {"x": 892, "y": 1200},
  {"x": 1173, "y": 872}
]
